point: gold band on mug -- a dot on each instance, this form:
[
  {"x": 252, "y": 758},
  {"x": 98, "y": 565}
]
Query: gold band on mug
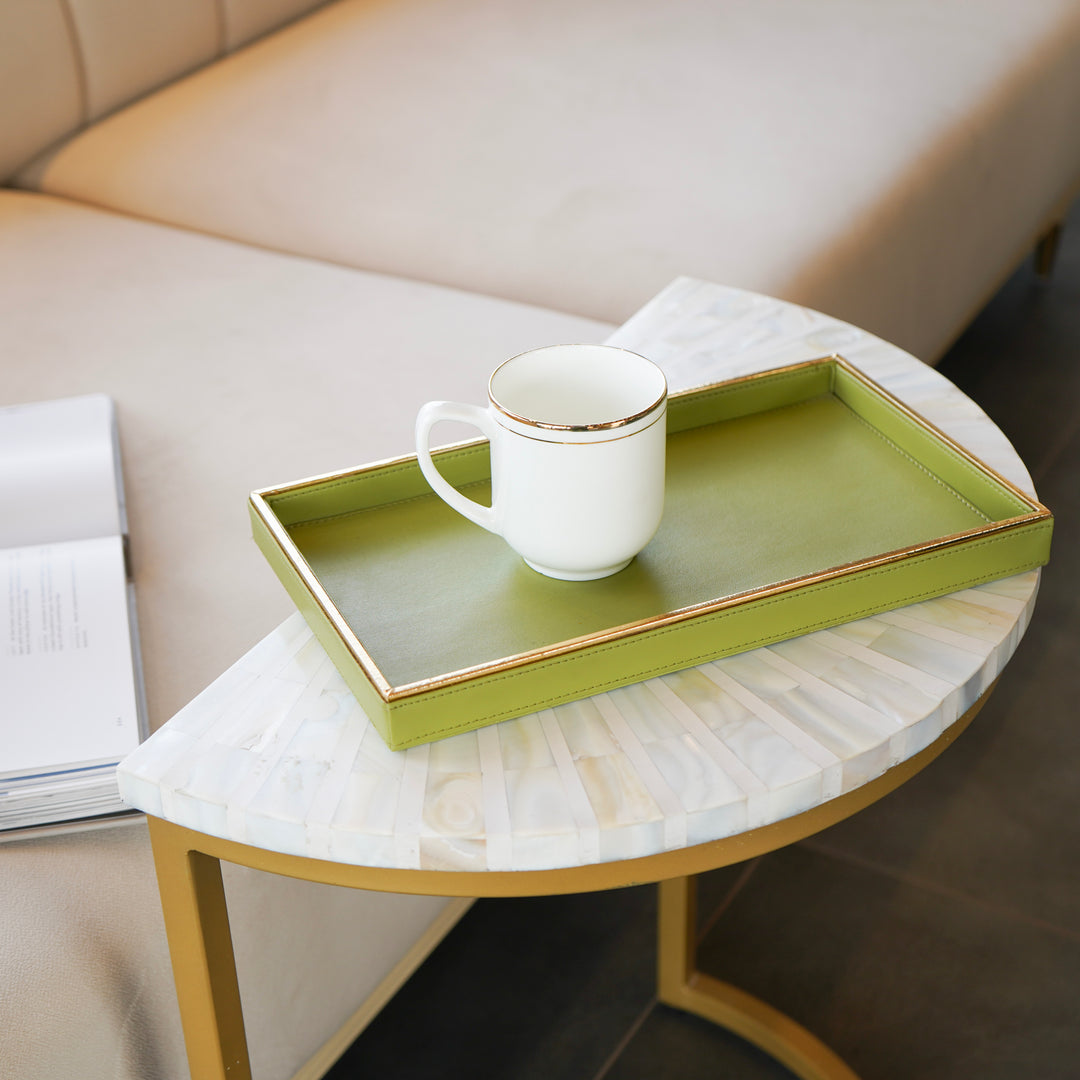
[{"x": 607, "y": 425}]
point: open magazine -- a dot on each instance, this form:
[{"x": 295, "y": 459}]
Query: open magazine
[{"x": 72, "y": 703}]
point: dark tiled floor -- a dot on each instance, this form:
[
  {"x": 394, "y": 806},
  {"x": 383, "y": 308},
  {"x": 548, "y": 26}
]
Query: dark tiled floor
[{"x": 935, "y": 936}]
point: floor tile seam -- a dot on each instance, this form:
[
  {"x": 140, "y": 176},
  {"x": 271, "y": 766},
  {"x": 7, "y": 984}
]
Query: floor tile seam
[
  {"x": 927, "y": 885},
  {"x": 628, "y": 1036},
  {"x": 729, "y": 898}
]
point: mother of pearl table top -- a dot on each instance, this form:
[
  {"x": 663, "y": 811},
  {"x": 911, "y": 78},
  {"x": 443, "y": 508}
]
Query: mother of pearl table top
[{"x": 278, "y": 754}]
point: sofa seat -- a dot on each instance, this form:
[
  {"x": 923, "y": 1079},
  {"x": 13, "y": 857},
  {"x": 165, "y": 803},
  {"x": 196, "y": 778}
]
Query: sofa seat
[
  {"x": 232, "y": 368},
  {"x": 888, "y": 163}
]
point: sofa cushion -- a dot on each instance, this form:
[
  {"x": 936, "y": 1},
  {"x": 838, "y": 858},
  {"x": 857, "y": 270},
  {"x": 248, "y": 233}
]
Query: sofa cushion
[
  {"x": 243, "y": 20},
  {"x": 64, "y": 63},
  {"x": 127, "y": 47},
  {"x": 887, "y": 163},
  {"x": 39, "y": 81},
  {"x": 231, "y": 368}
]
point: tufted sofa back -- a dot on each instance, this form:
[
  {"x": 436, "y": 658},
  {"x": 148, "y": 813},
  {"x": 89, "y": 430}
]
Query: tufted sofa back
[{"x": 65, "y": 63}]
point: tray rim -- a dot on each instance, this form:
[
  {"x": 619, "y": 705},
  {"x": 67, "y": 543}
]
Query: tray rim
[{"x": 260, "y": 504}]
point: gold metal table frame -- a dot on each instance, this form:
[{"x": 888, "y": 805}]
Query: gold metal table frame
[{"x": 188, "y": 866}]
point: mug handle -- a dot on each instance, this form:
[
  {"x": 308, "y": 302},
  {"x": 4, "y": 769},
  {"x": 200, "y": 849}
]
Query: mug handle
[{"x": 428, "y": 416}]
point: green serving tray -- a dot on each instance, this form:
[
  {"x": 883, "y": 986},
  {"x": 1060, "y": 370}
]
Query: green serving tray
[{"x": 797, "y": 499}]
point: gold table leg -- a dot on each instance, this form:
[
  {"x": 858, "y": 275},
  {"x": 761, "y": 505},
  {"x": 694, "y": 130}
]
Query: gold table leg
[
  {"x": 682, "y": 986},
  {"x": 200, "y": 944}
]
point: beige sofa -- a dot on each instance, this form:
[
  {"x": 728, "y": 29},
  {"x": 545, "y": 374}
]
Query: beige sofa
[{"x": 270, "y": 241}]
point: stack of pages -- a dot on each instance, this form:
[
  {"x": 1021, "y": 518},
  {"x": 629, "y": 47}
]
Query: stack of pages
[{"x": 71, "y": 706}]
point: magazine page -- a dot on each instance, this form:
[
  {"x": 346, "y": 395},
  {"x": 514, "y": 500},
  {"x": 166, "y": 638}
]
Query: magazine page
[
  {"x": 65, "y": 658},
  {"x": 59, "y": 475}
]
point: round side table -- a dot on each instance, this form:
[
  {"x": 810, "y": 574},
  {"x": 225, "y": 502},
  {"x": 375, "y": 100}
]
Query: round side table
[{"x": 276, "y": 767}]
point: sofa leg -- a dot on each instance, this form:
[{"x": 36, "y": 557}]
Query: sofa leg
[{"x": 1046, "y": 251}]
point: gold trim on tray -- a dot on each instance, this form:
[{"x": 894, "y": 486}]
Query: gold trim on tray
[
  {"x": 390, "y": 693},
  {"x": 288, "y": 549}
]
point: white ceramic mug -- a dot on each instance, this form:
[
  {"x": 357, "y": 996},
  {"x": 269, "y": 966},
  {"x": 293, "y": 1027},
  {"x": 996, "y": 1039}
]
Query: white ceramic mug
[{"x": 578, "y": 434}]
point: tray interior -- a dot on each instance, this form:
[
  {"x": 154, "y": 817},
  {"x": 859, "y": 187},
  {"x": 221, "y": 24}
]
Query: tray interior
[{"x": 809, "y": 480}]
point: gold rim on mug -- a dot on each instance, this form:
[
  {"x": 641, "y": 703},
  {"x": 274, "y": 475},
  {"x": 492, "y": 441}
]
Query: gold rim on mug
[{"x": 607, "y": 425}]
